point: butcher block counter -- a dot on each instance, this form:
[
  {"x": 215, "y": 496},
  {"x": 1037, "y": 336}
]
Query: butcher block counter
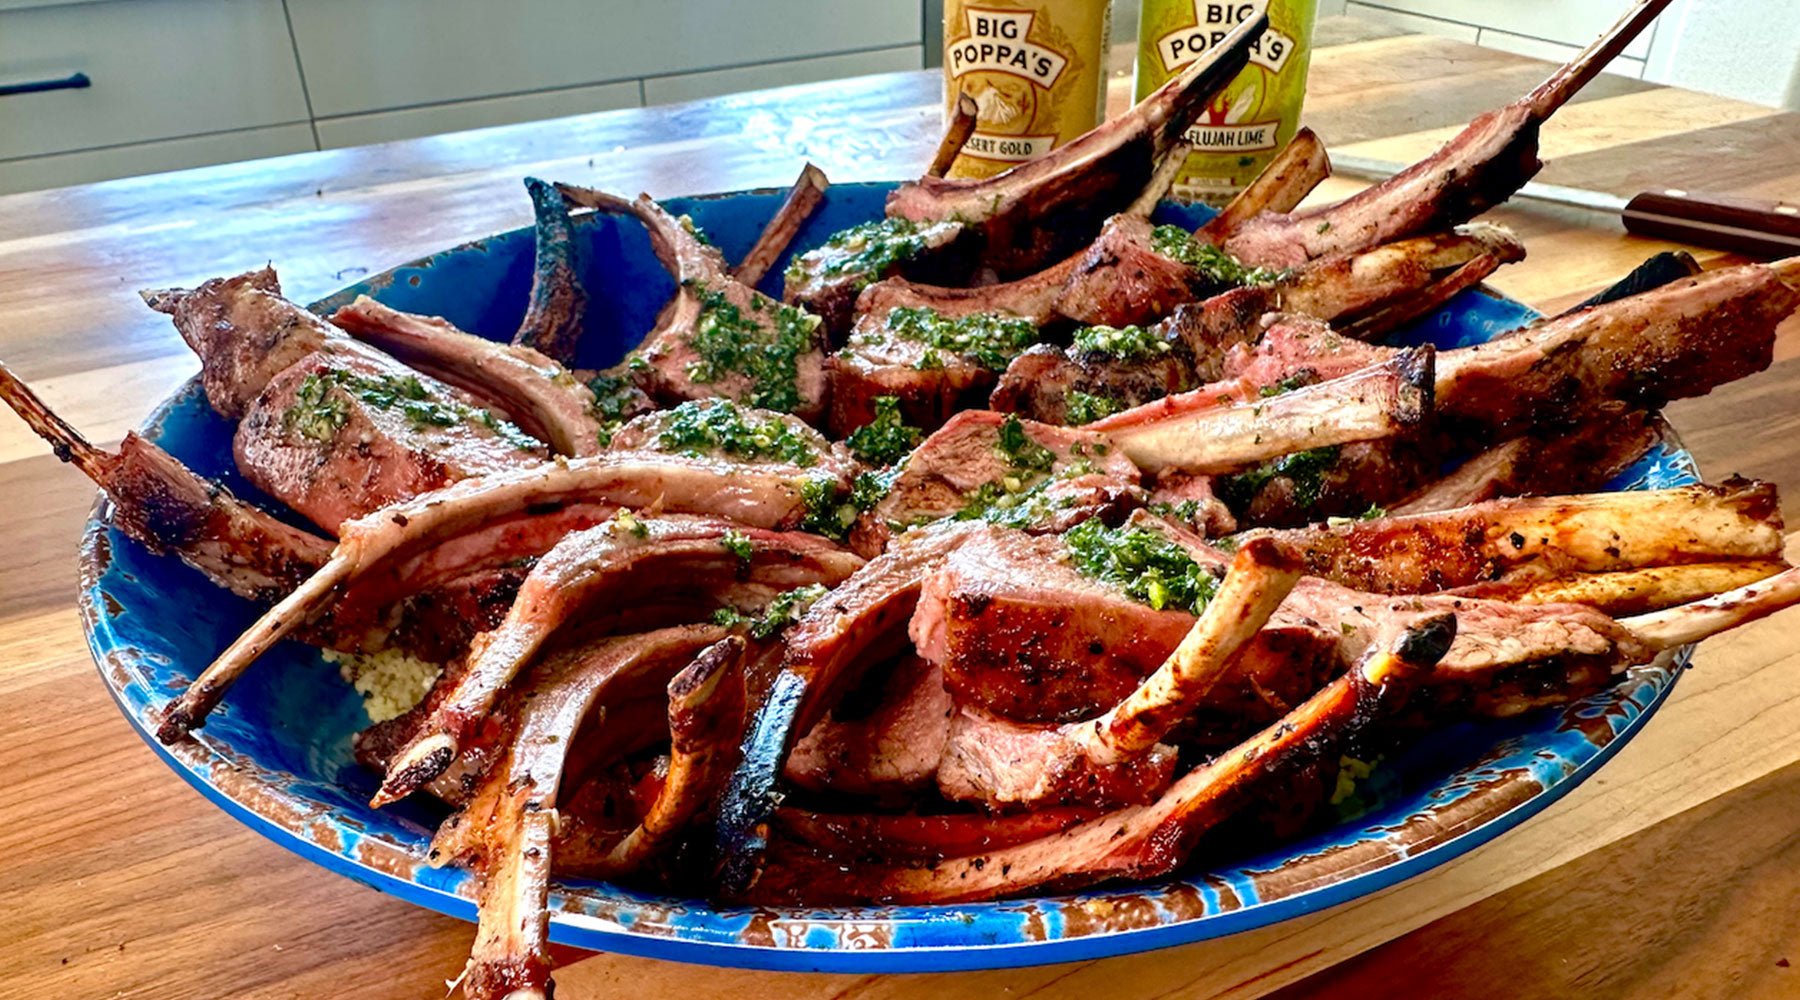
[{"x": 1673, "y": 872}]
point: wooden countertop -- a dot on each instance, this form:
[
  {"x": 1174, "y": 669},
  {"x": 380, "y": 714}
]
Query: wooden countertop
[{"x": 1675, "y": 870}]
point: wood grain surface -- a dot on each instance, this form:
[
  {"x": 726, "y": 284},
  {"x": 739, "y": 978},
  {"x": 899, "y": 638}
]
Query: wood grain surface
[{"x": 1671, "y": 873}]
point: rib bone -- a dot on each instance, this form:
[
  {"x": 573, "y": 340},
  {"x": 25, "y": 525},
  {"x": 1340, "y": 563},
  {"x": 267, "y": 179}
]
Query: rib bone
[{"x": 802, "y": 200}]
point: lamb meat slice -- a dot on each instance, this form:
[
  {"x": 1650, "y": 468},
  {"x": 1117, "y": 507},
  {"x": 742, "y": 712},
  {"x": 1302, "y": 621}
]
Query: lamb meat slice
[
  {"x": 726, "y": 431},
  {"x": 1371, "y": 292},
  {"x": 1228, "y": 425},
  {"x": 337, "y": 435},
  {"x": 935, "y": 350},
  {"x": 166, "y": 507},
  {"x": 1140, "y": 841},
  {"x": 244, "y": 333},
  {"x": 887, "y": 752},
  {"x": 370, "y": 545},
  {"x": 1040, "y": 211},
  {"x": 1023, "y": 635},
  {"x": 860, "y": 622},
  {"x": 1083, "y": 383},
  {"x": 1545, "y": 461},
  {"x": 1482, "y": 166},
  {"x": 986, "y": 465},
  {"x": 1125, "y": 277},
  {"x": 596, "y": 578},
  {"x": 508, "y": 826},
  {"x": 516, "y": 382},
  {"x": 718, "y": 337},
  {"x": 1297, "y": 350},
  {"x": 556, "y": 312},
  {"x": 1119, "y": 758},
  {"x": 829, "y": 280},
  {"x": 1676, "y": 341},
  {"x": 1352, "y": 480},
  {"x": 1557, "y": 536},
  {"x": 1192, "y": 502}
]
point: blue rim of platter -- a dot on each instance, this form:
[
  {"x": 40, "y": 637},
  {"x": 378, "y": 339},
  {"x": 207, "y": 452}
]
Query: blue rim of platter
[{"x": 276, "y": 755}]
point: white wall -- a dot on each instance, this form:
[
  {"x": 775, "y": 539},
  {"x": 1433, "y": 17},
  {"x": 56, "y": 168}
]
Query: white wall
[{"x": 1745, "y": 49}]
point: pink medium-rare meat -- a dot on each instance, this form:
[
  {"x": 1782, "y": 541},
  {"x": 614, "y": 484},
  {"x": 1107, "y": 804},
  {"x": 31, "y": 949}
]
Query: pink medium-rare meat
[
  {"x": 335, "y": 436},
  {"x": 888, "y": 751}
]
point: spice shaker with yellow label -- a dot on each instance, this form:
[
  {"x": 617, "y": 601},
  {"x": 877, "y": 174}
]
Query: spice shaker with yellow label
[
  {"x": 1036, "y": 70},
  {"x": 1257, "y": 113}
]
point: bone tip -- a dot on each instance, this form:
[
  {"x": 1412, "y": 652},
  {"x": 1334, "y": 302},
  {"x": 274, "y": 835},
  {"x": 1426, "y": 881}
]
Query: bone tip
[
  {"x": 178, "y": 721},
  {"x": 424, "y": 760}
]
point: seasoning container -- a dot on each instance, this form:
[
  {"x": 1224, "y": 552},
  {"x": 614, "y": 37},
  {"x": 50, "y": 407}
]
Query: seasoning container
[
  {"x": 1036, "y": 70},
  {"x": 1257, "y": 113}
]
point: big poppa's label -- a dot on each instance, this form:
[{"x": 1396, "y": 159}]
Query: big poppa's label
[
  {"x": 1034, "y": 73},
  {"x": 1251, "y": 117}
]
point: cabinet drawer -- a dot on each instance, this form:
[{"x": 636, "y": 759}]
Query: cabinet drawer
[
  {"x": 397, "y": 53},
  {"x": 159, "y": 69}
]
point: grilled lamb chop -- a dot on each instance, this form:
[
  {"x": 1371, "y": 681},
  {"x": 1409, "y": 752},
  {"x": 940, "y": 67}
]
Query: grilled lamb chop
[
  {"x": 988, "y": 466},
  {"x": 1142, "y": 841},
  {"x": 1627, "y": 592},
  {"x": 244, "y": 333},
  {"x": 367, "y": 547},
  {"x": 508, "y": 826},
  {"x": 347, "y": 431},
  {"x": 1037, "y": 212},
  {"x": 164, "y": 506},
  {"x": 1596, "y": 533},
  {"x": 723, "y": 430},
  {"x": 532, "y": 390},
  {"x": 1482, "y": 166},
  {"x": 1544, "y": 462},
  {"x": 598, "y": 578},
  {"x": 1119, "y": 758},
  {"x": 1228, "y": 425},
  {"x": 718, "y": 337},
  {"x": 556, "y": 312}
]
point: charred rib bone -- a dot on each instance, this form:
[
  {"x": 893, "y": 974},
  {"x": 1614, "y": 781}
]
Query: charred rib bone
[{"x": 557, "y": 310}]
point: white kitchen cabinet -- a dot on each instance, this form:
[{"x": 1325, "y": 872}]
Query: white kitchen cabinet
[{"x": 159, "y": 69}]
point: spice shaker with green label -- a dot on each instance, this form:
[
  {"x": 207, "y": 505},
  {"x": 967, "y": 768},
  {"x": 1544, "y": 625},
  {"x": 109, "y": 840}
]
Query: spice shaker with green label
[{"x": 1255, "y": 115}]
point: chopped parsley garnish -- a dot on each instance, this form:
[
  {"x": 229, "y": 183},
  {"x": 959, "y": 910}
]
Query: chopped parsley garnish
[
  {"x": 629, "y": 522},
  {"x": 1185, "y": 510},
  {"x": 1120, "y": 343},
  {"x": 615, "y": 397},
  {"x": 828, "y": 511},
  {"x": 781, "y": 612},
  {"x": 990, "y": 340},
  {"x": 886, "y": 439},
  {"x": 712, "y": 426},
  {"x": 1299, "y": 380},
  {"x": 1306, "y": 469},
  {"x": 1149, "y": 568},
  {"x": 765, "y": 350},
  {"x": 318, "y": 415},
  {"x": 738, "y": 544},
  {"x": 870, "y": 488},
  {"x": 1218, "y": 267},
  {"x": 693, "y": 229},
  {"x": 866, "y": 251},
  {"x": 1019, "y": 450},
  {"x": 1085, "y": 408}
]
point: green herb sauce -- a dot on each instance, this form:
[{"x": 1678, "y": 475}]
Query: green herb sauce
[
  {"x": 1019, "y": 450},
  {"x": 738, "y": 544},
  {"x": 990, "y": 340},
  {"x": 1218, "y": 267},
  {"x": 1306, "y": 469},
  {"x": 1085, "y": 408},
  {"x": 719, "y": 426},
  {"x": 781, "y": 612},
  {"x": 886, "y": 439},
  {"x": 1120, "y": 343},
  {"x": 615, "y": 397},
  {"x": 766, "y": 350},
  {"x": 1298, "y": 380},
  {"x": 317, "y": 414},
  {"x": 1149, "y": 568},
  {"x": 867, "y": 252}
]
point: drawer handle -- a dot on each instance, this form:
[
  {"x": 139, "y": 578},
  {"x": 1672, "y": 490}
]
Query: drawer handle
[{"x": 74, "y": 81}]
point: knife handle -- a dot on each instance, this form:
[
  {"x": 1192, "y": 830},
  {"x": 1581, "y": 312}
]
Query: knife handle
[{"x": 1750, "y": 226}]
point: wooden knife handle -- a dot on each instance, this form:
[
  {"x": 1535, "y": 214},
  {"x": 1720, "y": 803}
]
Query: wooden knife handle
[{"x": 1750, "y": 226}]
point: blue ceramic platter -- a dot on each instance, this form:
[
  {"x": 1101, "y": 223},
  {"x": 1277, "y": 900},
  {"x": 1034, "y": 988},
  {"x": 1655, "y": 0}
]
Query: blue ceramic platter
[{"x": 277, "y": 754}]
